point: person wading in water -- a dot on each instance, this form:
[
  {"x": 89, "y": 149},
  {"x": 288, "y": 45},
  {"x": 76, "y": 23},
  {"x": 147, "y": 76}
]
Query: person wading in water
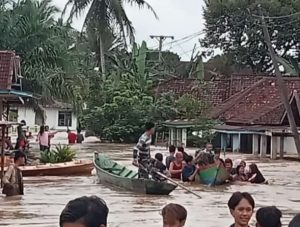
[
  {"x": 13, "y": 180},
  {"x": 141, "y": 152}
]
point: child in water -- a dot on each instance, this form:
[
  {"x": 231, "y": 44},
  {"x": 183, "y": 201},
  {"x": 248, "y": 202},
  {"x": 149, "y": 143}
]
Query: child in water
[{"x": 174, "y": 215}]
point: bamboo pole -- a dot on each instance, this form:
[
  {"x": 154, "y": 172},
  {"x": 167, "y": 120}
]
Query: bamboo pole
[{"x": 2, "y": 153}]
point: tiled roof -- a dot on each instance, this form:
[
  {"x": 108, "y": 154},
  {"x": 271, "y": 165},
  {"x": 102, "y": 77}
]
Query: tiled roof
[
  {"x": 259, "y": 104},
  {"x": 6, "y": 68},
  {"x": 215, "y": 91}
]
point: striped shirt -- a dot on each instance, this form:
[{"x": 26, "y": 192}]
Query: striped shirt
[{"x": 142, "y": 148}]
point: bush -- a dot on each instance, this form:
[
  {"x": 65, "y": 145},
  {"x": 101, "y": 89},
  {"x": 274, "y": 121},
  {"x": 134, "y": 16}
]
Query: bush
[{"x": 61, "y": 153}]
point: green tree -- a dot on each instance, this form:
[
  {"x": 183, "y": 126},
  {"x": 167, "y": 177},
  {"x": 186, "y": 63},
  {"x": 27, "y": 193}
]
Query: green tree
[
  {"x": 106, "y": 18},
  {"x": 52, "y": 62},
  {"x": 233, "y": 27}
]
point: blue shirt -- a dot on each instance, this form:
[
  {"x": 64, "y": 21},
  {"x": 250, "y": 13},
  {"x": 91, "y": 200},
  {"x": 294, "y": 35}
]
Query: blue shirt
[{"x": 187, "y": 171}]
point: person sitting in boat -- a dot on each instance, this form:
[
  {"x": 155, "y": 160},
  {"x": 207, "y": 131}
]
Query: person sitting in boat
[
  {"x": 185, "y": 155},
  {"x": 176, "y": 166},
  {"x": 241, "y": 206},
  {"x": 205, "y": 157},
  {"x": 208, "y": 149},
  {"x": 254, "y": 175},
  {"x": 13, "y": 180},
  {"x": 141, "y": 152},
  {"x": 174, "y": 215},
  {"x": 84, "y": 212},
  {"x": 171, "y": 157},
  {"x": 240, "y": 175},
  {"x": 268, "y": 217},
  {"x": 158, "y": 166},
  {"x": 189, "y": 170}
]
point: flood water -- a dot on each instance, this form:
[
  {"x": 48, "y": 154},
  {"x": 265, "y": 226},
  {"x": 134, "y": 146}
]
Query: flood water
[{"x": 45, "y": 197}]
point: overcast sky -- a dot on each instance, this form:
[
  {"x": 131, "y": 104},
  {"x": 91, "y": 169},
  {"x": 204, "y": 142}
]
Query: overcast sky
[{"x": 177, "y": 18}]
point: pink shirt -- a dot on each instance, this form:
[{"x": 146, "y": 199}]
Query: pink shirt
[{"x": 44, "y": 139}]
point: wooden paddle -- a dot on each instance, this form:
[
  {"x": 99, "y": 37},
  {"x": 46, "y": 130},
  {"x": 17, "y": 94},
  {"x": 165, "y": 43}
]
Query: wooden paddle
[
  {"x": 178, "y": 184},
  {"x": 174, "y": 182}
]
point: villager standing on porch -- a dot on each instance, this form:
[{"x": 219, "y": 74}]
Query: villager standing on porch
[
  {"x": 13, "y": 180},
  {"x": 141, "y": 152}
]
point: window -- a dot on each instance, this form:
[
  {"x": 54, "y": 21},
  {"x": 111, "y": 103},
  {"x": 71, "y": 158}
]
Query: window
[{"x": 65, "y": 118}]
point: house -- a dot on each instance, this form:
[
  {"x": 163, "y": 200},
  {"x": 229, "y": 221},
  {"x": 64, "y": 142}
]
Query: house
[
  {"x": 58, "y": 116},
  {"x": 253, "y": 115}
]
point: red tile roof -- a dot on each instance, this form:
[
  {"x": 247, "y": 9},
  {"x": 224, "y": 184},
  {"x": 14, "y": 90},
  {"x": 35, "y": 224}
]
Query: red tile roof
[
  {"x": 215, "y": 91},
  {"x": 7, "y": 59},
  {"x": 259, "y": 104}
]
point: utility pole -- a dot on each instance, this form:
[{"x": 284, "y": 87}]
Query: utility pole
[
  {"x": 161, "y": 39},
  {"x": 282, "y": 87}
]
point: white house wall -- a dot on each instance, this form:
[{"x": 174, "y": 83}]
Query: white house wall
[
  {"x": 289, "y": 146},
  {"x": 28, "y": 115}
]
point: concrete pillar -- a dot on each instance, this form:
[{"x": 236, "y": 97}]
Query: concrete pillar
[
  {"x": 178, "y": 137},
  {"x": 255, "y": 140},
  {"x": 171, "y": 140},
  {"x": 263, "y": 146},
  {"x": 235, "y": 143},
  {"x": 281, "y": 151},
  {"x": 184, "y": 136},
  {"x": 275, "y": 147}
]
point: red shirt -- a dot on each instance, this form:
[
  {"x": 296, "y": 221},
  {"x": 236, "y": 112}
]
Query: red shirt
[{"x": 72, "y": 138}]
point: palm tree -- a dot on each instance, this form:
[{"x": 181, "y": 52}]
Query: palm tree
[
  {"x": 106, "y": 17},
  {"x": 51, "y": 65}
]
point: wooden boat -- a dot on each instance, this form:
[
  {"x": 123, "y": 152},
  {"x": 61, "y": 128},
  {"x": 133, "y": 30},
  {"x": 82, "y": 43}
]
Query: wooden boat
[
  {"x": 73, "y": 168},
  {"x": 118, "y": 175},
  {"x": 213, "y": 175}
]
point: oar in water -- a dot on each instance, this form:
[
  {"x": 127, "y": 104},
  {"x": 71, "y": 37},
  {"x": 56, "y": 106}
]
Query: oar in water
[
  {"x": 178, "y": 184},
  {"x": 174, "y": 182},
  {"x": 215, "y": 179}
]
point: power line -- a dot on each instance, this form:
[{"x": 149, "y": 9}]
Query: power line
[
  {"x": 160, "y": 39},
  {"x": 278, "y": 17}
]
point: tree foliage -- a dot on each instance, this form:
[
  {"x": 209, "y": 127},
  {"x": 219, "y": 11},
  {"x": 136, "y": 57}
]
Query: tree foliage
[{"x": 234, "y": 27}]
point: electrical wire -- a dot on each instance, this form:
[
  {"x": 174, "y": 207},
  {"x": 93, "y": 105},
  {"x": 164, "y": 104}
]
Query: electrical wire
[{"x": 278, "y": 17}]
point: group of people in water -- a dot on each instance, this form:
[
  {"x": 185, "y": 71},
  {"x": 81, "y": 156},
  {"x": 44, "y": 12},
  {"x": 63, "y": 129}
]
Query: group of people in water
[
  {"x": 93, "y": 212},
  {"x": 182, "y": 166}
]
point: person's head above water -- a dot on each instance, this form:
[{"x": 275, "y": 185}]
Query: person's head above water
[
  {"x": 295, "y": 222},
  {"x": 209, "y": 146},
  {"x": 241, "y": 206},
  {"x": 179, "y": 157},
  {"x": 268, "y": 217},
  {"x": 159, "y": 157},
  {"x": 20, "y": 158},
  {"x": 84, "y": 212},
  {"x": 150, "y": 128},
  {"x": 172, "y": 149},
  {"x": 174, "y": 215}
]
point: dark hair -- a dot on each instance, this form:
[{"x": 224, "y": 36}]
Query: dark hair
[
  {"x": 68, "y": 130},
  {"x": 18, "y": 155},
  {"x": 174, "y": 212},
  {"x": 295, "y": 222},
  {"x": 189, "y": 158},
  {"x": 180, "y": 149},
  {"x": 236, "y": 198},
  {"x": 259, "y": 177},
  {"x": 89, "y": 211},
  {"x": 149, "y": 125},
  {"x": 269, "y": 217},
  {"x": 78, "y": 130},
  {"x": 159, "y": 157},
  {"x": 42, "y": 129},
  {"x": 172, "y": 149},
  {"x": 238, "y": 169},
  {"x": 23, "y": 122},
  {"x": 228, "y": 160},
  {"x": 218, "y": 151},
  {"x": 46, "y": 126}
]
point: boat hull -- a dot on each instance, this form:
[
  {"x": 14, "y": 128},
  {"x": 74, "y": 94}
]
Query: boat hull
[
  {"x": 125, "y": 178},
  {"x": 73, "y": 168},
  {"x": 213, "y": 176}
]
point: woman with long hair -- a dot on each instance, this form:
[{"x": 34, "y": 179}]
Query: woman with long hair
[{"x": 255, "y": 176}]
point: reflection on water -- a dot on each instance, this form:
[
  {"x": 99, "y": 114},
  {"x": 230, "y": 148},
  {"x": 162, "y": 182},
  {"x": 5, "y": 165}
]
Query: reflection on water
[{"x": 46, "y": 196}]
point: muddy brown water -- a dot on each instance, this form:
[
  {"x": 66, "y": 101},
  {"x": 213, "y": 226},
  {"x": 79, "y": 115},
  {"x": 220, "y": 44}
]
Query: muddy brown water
[{"x": 45, "y": 197}]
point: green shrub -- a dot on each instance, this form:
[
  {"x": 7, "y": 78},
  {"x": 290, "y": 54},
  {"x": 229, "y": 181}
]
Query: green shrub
[{"x": 61, "y": 153}]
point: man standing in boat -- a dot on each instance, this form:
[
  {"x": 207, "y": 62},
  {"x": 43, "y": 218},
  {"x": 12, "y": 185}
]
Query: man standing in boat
[{"x": 141, "y": 152}]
